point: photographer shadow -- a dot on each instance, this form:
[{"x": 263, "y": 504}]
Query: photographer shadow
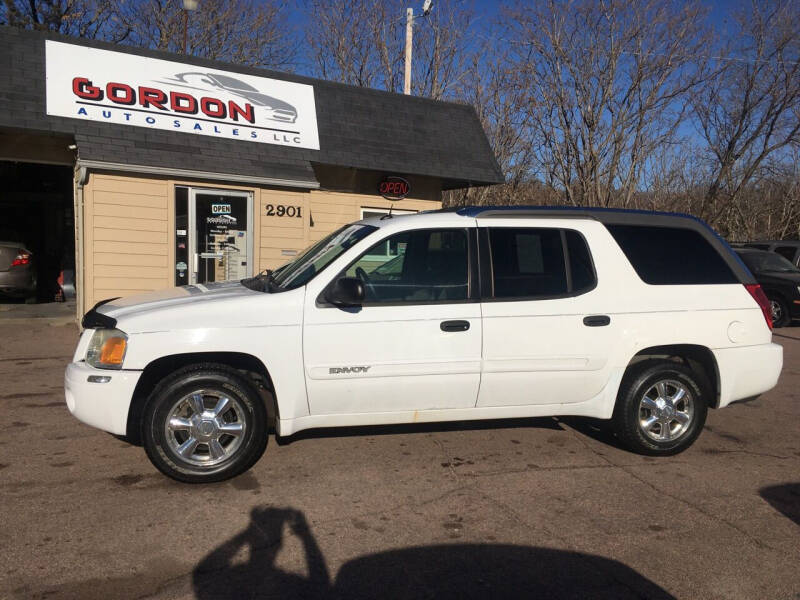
[{"x": 440, "y": 571}]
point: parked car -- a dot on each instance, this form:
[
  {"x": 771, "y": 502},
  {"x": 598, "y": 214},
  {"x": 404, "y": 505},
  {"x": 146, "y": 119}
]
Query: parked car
[
  {"x": 779, "y": 279},
  {"x": 646, "y": 319},
  {"x": 17, "y": 272},
  {"x": 789, "y": 249}
]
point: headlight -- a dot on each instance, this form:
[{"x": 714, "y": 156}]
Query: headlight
[{"x": 107, "y": 349}]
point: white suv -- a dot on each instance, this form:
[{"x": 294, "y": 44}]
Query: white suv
[{"x": 647, "y": 319}]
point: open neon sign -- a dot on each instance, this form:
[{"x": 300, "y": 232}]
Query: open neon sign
[{"x": 394, "y": 188}]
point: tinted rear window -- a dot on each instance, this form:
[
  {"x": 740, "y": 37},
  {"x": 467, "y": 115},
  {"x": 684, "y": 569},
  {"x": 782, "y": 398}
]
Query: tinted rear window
[
  {"x": 671, "y": 256},
  {"x": 530, "y": 263},
  {"x": 527, "y": 262},
  {"x": 786, "y": 251}
]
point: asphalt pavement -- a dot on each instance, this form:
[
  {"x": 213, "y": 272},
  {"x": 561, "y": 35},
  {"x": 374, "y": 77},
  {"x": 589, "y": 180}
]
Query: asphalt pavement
[{"x": 536, "y": 508}]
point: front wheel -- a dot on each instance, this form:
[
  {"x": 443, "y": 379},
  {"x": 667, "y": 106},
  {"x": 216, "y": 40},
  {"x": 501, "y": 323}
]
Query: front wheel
[
  {"x": 204, "y": 424},
  {"x": 661, "y": 408}
]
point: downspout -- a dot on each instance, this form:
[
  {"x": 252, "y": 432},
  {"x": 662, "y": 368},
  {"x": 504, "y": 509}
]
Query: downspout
[{"x": 81, "y": 176}]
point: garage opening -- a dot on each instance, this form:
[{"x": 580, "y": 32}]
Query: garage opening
[{"x": 37, "y": 233}]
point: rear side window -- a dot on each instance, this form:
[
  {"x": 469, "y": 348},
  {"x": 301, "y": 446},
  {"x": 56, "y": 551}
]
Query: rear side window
[
  {"x": 671, "y": 255},
  {"x": 539, "y": 263},
  {"x": 786, "y": 251}
]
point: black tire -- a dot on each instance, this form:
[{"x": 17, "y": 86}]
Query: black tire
[
  {"x": 246, "y": 410},
  {"x": 630, "y": 413},
  {"x": 780, "y": 311}
]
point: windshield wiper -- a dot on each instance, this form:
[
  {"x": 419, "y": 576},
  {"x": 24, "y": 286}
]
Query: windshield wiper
[{"x": 263, "y": 282}]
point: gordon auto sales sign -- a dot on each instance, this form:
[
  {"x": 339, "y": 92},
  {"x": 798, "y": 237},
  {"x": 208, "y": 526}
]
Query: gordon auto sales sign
[{"x": 100, "y": 85}]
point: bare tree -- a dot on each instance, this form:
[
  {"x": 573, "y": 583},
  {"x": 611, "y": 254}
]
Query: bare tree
[
  {"x": 249, "y": 32},
  {"x": 608, "y": 82},
  {"x": 490, "y": 85},
  {"x": 750, "y": 112},
  {"x": 443, "y": 50},
  {"x": 80, "y": 18},
  {"x": 361, "y": 45},
  {"x": 364, "y": 44}
]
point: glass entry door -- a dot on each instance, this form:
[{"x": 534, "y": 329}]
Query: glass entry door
[{"x": 221, "y": 235}]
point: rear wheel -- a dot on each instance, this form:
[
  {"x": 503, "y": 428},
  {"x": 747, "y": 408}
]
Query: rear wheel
[
  {"x": 661, "y": 408},
  {"x": 779, "y": 311},
  {"x": 204, "y": 424}
]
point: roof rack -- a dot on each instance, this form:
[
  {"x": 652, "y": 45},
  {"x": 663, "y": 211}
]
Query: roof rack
[{"x": 561, "y": 211}]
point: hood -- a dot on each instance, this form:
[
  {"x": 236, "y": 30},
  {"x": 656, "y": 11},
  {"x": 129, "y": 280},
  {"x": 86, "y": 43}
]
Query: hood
[
  {"x": 172, "y": 297},
  {"x": 224, "y": 304}
]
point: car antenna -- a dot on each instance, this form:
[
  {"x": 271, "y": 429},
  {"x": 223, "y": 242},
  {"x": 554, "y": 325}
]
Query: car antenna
[{"x": 389, "y": 214}]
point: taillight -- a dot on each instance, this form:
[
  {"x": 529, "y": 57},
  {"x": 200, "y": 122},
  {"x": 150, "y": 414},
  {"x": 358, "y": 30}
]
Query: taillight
[
  {"x": 23, "y": 258},
  {"x": 763, "y": 302}
]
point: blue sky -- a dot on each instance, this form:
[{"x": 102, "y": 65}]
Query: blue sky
[{"x": 488, "y": 10}]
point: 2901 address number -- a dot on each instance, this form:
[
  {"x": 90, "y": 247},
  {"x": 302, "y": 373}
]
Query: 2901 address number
[{"x": 281, "y": 210}]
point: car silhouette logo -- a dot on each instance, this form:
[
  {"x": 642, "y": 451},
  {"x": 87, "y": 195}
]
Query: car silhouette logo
[{"x": 277, "y": 110}]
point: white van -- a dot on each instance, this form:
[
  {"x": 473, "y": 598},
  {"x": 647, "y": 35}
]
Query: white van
[{"x": 647, "y": 319}]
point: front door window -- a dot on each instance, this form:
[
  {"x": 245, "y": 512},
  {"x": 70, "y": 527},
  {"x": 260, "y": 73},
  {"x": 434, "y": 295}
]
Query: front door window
[
  {"x": 221, "y": 235},
  {"x": 419, "y": 266}
]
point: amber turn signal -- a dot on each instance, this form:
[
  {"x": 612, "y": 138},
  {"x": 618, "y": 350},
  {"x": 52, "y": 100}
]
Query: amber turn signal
[{"x": 113, "y": 351}]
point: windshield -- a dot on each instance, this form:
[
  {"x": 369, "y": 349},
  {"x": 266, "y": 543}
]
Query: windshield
[
  {"x": 313, "y": 260},
  {"x": 767, "y": 261}
]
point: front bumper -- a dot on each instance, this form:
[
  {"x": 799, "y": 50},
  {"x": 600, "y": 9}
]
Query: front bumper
[
  {"x": 748, "y": 371},
  {"x": 101, "y": 405}
]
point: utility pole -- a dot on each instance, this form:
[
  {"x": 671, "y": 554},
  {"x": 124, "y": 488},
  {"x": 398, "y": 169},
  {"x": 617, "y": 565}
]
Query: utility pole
[
  {"x": 427, "y": 5},
  {"x": 187, "y": 6},
  {"x": 409, "y": 45},
  {"x": 185, "y": 27}
]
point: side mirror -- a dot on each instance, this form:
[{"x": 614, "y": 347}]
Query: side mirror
[{"x": 346, "y": 291}]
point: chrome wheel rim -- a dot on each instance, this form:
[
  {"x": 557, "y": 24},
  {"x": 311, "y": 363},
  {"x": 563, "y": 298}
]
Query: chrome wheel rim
[
  {"x": 776, "y": 310},
  {"x": 666, "y": 410},
  {"x": 205, "y": 427}
]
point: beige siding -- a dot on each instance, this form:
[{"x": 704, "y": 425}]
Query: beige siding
[
  {"x": 128, "y": 241},
  {"x": 323, "y": 213},
  {"x": 278, "y": 236},
  {"x": 129, "y": 225}
]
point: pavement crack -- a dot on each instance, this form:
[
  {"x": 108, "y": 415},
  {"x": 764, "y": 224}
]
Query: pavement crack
[
  {"x": 753, "y": 540},
  {"x": 396, "y": 507},
  {"x": 448, "y": 458},
  {"x": 564, "y": 543},
  {"x": 752, "y": 453}
]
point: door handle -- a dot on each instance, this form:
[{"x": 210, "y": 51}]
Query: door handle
[
  {"x": 454, "y": 325},
  {"x": 596, "y": 320}
]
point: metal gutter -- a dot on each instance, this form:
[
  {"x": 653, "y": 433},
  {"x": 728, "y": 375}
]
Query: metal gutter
[{"x": 189, "y": 174}]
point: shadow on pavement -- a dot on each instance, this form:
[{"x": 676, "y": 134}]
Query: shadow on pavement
[
  {"x": 441, "y": 426},
  {"x": 442, "y": 571},
  {"x": 597, "y": 429},
  {"x": 784, "y": 498}
]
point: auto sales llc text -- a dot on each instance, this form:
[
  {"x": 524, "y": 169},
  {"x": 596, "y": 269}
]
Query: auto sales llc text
[{"x": 132, "y": 117}]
